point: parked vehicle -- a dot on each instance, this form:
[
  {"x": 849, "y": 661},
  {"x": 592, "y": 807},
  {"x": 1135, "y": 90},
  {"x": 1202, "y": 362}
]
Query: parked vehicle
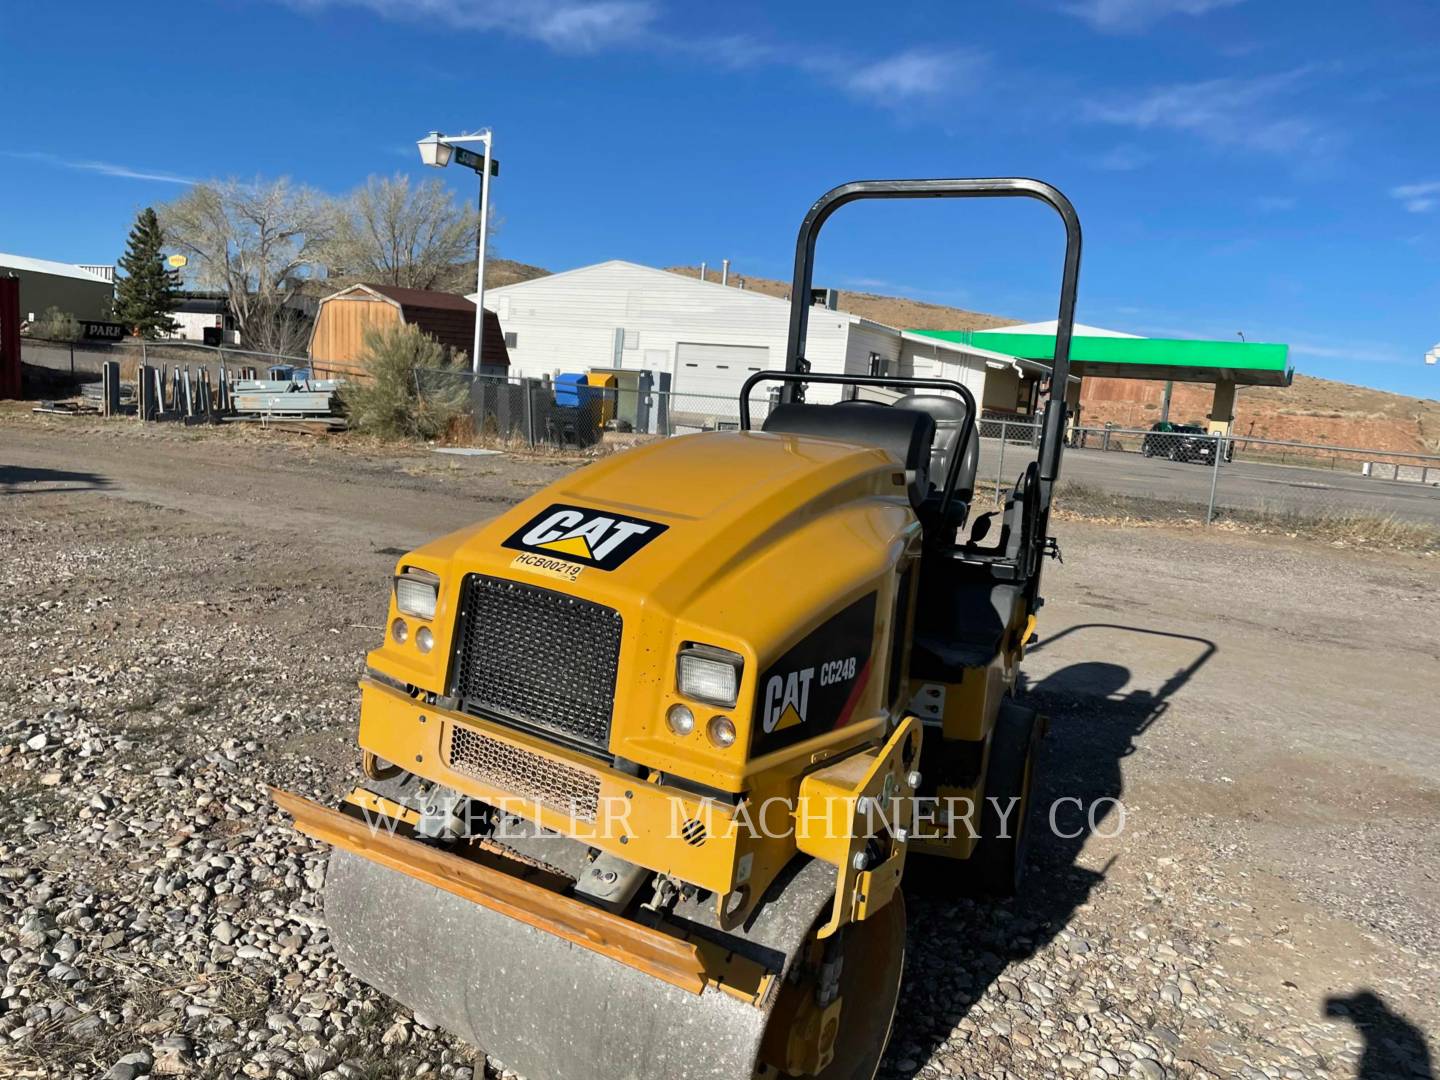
[{"x": 1179, "y": 442}]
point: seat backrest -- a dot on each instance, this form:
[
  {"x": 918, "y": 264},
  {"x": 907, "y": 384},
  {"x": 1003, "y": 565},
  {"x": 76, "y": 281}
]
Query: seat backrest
[
  {"x": 948, "y": 414},
  {"x": 905, "y": 433}
]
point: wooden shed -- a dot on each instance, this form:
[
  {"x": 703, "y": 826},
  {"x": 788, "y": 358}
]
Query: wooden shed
[{"x": 344, "y": 316}]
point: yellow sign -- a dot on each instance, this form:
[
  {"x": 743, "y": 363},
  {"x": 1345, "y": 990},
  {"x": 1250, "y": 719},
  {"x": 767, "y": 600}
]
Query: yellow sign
[{"x": 177, "y": 261}]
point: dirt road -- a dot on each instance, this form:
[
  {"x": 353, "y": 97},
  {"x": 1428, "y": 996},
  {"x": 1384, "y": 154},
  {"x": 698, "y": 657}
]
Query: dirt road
[{"x": 187, "y": 612}]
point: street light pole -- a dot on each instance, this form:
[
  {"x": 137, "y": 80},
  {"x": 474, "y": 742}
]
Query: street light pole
[
  {"x": 439, "y": 150},
  {"x": 480, "y": 258}
]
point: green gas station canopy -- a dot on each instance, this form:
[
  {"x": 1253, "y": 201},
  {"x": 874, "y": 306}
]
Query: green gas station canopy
[{"x": 1246, "y": 363}]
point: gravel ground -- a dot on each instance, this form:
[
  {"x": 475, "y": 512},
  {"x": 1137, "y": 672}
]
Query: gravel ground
[{"x": 187, "y": 614}]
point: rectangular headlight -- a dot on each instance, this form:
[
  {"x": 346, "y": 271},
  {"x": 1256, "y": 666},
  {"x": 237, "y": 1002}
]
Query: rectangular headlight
[
  {"x": 709, "y": 674},
  {"x": 416, "y": 596}
]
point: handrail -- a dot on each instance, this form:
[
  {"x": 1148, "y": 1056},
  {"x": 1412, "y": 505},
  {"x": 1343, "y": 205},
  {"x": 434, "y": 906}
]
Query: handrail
[
  {"x": 967, "y": 426},
  {"x": 998, "y": 187}
]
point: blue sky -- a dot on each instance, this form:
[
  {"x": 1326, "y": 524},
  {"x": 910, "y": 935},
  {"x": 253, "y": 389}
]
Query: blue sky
[{"x": 1271, "y": 168}]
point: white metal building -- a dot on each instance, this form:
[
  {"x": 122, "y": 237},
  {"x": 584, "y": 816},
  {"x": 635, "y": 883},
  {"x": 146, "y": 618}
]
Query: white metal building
[
  {"x": 45, "y": 284},
  {"x": 706, "y": 337}
]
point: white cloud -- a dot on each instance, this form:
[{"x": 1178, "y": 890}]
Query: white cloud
[
  {"x": 591, "y": 26},
  {"x": 104, "y": 168},
  {"x": 914, "y": 75},
  {"x": 1363, "y": 352},
  {"x": 1129, "y": 16},
  {"x": 1123, "y": 158},
  {"x": 570, "y": 26},
  {"x": 1226, "y": 112},
  {"x": 1418, "y": 198}
]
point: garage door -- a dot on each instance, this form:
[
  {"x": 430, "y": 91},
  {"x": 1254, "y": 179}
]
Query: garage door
[{"x": 716, "y": 369}]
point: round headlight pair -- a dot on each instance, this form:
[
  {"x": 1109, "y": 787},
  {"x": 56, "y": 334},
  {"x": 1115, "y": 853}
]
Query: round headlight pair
[
  {"x": 400, "y": 632},
  {"x": 720, "y": 729}
]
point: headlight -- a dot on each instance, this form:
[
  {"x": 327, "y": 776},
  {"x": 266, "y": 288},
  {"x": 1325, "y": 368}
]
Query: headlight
[
  {"x": 399, "y": 631},
  {"x": 708, "y": 674},
  {"x": 680, "y": 719},
  {"x": 721, "y": 730},
  {"x": 415, "y": 595}
]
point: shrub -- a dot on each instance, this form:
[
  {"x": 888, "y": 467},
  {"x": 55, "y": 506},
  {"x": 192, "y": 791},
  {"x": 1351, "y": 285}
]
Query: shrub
[
  {"x": 56, "y": 325},
  {"x": 411, "y": 390}
]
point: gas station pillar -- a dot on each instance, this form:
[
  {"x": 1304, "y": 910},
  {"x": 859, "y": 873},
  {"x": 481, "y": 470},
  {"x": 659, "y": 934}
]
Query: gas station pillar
[
  {"x": 1222, "y": 408},
  {"x": 1072, "y": 399}
]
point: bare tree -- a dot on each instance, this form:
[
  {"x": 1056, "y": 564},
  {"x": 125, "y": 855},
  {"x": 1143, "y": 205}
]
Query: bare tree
[
  {"x": 393, "y": 232},
  {"x": 259, "y": 242}
]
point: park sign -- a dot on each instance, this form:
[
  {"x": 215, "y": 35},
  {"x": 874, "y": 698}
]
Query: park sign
[
  {"x": 102, "y": 331},
  {"x": 472, "y": 160}
]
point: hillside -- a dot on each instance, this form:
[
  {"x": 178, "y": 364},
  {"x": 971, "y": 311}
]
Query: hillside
[
  {"x": 500, "y": 272},
  {"x": 890, "y": 310},
  {"x": 1311, "y": 410}
]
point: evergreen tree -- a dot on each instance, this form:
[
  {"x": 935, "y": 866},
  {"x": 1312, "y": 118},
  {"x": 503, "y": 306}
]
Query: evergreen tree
[{"x": 148, "y": 292}]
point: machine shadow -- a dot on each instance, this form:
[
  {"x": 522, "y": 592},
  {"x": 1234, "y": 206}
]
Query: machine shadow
[
  {"x": 1394, "y": 1047},
  {"x": 11, "y": 476},
  {"x": 958, "y": 947}
]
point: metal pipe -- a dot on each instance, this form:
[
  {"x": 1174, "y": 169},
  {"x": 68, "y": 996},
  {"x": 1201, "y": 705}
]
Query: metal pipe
[
  {"x": 1053, "y": 439},
  {"x": 967, "y": 426},
  {"x": 1214, "y": 476},
  {"x": 1002, "y": 187},
  {"x": 480, "y": 259},
  {"x": 1000, "y": 467},
  {"x": 702, "y": 271},
  {"x": 724, "y": 271}
]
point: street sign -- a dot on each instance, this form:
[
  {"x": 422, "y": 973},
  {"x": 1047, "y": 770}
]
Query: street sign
[
  {"x": 103, "y": 331},
  {"x": 177, "y": 261},
  {"x": 472, "y": 160}
]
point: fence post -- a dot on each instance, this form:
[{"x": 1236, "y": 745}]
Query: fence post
[
  {"x": 110, "y": 388},
  {"x": 530, "y": 411},
  {"x": 1000, "y": 466},
  {"x": 1215, "y": 460},
  {"x": 72, "y": 358}
]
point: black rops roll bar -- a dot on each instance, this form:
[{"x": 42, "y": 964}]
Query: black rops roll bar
[
  {"x": 1001, "y": 187},
  {"x": 967, "y": 426}
]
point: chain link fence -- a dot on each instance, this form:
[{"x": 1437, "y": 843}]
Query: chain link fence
[
  {"x": 1173, "y": 472},
  {"x": 1164, "y": 472},
  {"x": 542, "y": 412},
  {"x": 1159, "y": 472}
]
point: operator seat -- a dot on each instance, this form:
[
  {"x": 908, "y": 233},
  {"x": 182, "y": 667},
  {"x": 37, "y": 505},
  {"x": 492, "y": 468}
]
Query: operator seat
[
  {"x": 905, "y": 433},
  {"x": 949, "y": 416}
]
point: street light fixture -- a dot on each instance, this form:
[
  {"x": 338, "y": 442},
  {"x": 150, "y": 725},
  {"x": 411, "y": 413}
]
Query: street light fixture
[
  {"x": 438, "y": 151},
  {"x": 433, "y": 151}
]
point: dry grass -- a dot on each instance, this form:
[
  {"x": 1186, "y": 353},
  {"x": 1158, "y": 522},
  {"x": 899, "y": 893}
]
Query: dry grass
[
  {"x": 462, "y": 431},
  {"x": 1344, "y": 528},
  {"x": 147, "y": 990}
]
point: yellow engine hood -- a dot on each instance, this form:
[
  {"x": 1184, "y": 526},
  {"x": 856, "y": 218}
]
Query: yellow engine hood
[
  {"x": 724, "y": 498},
  {"x": 752, "y": 540}
]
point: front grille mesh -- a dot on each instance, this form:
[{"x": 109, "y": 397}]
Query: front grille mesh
[
  {"x": 539, "y": 657},
  {"x": 525, "y": 775}
]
